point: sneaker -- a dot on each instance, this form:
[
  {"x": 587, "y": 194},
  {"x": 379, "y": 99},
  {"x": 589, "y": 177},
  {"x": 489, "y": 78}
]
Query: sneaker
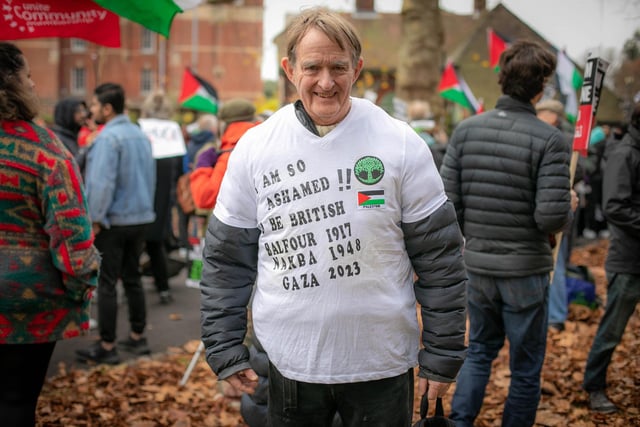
[
  {"x": 96, "y": 353},
  {"x": 137, "y": 347},
  {"x": 599, "y": 402},
  {"x": 165, "y": 297}
]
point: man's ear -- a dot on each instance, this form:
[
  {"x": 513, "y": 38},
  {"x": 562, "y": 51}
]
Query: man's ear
[
  {"x": 287, "y": 67},
  {"x": 107, "y": 110},
  {"x": 358, "y": 70}
]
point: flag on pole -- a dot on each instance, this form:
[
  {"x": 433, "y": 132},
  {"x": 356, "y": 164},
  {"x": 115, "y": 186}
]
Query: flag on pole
[
  {"x": 455, "y": 89},
  {"x": 197, "y": 93},
  {"x": 589, "y": 98},
  {"x": 155, "y": 15},
  {"x": 497, "y": 44},
  {"x": 54, "y": 18},
  {"x": 569, "y": 81}
]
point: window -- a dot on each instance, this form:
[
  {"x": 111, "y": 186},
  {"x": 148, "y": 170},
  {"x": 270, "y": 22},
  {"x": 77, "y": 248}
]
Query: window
[
  {"x": 147, "y": 41},
  {"x": 78, "y": 45},
  {"x": 78, "y": 81},
  {"x": 146, "y": 81}
]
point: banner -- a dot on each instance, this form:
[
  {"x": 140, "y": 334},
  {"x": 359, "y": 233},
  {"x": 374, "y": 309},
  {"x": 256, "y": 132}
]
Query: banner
[
  {"x": 27, "y": 19},
  {"x": 589, "y": 98},
  {"x": 165, "y": 136}
]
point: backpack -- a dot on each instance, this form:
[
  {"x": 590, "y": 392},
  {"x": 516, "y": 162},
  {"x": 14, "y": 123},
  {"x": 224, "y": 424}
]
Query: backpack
[{"x": 183, "y": 194}]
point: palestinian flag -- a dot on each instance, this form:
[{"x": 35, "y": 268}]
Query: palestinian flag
[
  {"x": 569, "y": 81},
  {"x": 370, "y": 199},
  {"x": 497, "y": 44},
  {"x": 455, "y": 89},
  {"x": 155, "y": 15},
  {"x": 197, "y": 93}
]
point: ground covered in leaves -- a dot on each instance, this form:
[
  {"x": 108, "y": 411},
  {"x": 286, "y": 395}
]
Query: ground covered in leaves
[{"x": 147, "y": 392}]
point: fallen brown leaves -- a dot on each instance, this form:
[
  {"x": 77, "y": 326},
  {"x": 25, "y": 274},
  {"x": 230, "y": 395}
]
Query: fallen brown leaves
[
  {"x": 146, "y": 393},
  {"x": 143, "y": 394},
  {"x": 563, "y": 402}
]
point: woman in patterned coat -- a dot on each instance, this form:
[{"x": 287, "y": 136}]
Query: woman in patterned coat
[{"x": 48, "y": 264}]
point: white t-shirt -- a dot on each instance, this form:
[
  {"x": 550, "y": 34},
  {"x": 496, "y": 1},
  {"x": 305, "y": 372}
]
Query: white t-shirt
[{"x": 334, "y": 301}]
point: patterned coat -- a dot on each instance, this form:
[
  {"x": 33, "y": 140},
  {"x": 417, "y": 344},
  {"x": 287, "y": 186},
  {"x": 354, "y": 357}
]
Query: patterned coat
[{"x": 48, "y": 264}]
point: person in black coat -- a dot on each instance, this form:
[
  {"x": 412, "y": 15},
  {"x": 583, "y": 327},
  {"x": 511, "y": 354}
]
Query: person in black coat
[
  {"x": 621, "y": 206},
  {"x": 69, "y": 115}
]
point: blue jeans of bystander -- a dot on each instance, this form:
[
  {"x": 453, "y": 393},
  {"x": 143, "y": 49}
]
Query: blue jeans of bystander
[
  {"x": 518, "y": 309},
  {"x": 623, "y": 294},
  {"x": 558, "y": 304}
]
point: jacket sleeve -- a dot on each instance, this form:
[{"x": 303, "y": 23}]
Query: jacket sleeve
[
  {"x": 229, "y": 261},
  {"x": 450, "y": 173},
  {"x": 553, "y": 198},
  {"x": 434, "y": 246},
  {"x": 620, "y": 177},
  {"x": 205, "y": 183},
  {"x": 68, "y": 226}
]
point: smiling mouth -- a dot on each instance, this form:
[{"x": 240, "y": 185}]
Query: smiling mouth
[{"x": 324, "y": 95}]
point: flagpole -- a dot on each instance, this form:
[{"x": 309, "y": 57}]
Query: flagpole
[{"x": 194, "y": 40}]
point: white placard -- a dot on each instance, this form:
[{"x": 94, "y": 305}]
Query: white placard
[{"x": 166, "y": 137}]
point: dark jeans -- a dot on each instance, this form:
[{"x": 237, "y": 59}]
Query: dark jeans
[
  {"x": 623, "y": 294},
  {"x": 23, "y": 368},
  {"x": 499, "y": 307},
  {"x": 159, "y": 264},
  {"x": 381, "y": 403},
  {"x": 121, "y": 247}
]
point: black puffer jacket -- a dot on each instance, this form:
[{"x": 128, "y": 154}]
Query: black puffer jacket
[
  {"x": 621, "y": 203},
  {"x": 507, "y": 173}
]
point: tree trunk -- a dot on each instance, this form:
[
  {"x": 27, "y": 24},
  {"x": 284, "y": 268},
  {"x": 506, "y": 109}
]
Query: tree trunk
[{"x": 420, "y": 57}]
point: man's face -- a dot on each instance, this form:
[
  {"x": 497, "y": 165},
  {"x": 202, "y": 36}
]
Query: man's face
[
  {"x": 97, "y": 111},
  {"x": 323, "y": 75}
]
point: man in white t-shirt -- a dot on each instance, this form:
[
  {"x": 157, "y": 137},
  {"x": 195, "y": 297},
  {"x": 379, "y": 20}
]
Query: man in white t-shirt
[{"x": 332, "y": 208}]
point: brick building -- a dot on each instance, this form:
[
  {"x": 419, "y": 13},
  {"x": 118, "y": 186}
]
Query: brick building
[{"x": 221, "y": 42}]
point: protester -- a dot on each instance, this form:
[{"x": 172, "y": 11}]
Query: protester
[
  {"x": 423, "y": 122},
  {"x": 595, "y": 224},
  {"x": 158, "y": 106},
  {"x": 69, "y": 115},
  {"x": 621, "y": 204},
  {"x": 331, "y": 206},
  {"x": 120, "y": 182},
  {"x": 48, "y": 264},
  {"x": 507, "y": 174},
  {"x": 203, "y": 133},
  {"x": 551, "y": 111},
  {"x": 237, "y": 116}
]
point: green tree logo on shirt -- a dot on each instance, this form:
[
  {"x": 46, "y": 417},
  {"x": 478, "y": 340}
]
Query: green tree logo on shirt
[{"x": 369, "y": 170}]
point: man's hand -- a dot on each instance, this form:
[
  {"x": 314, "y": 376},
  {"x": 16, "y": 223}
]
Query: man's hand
[
  {"x": 96, "y": 228},
  {"x": 436, "y": 389},
  {"x": 244, "y": 381},
  {"x": 574, "y": 200}
]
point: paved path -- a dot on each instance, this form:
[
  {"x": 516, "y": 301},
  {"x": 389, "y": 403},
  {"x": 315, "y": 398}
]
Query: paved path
[{"x": 167, "y": 325}]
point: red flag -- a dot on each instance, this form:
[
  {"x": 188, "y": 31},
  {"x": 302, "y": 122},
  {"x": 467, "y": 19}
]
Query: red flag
[
  {"x": 497, "y": 45},
  {"x": 589, "y": 99},
  {"x": 28, "y": 19}
]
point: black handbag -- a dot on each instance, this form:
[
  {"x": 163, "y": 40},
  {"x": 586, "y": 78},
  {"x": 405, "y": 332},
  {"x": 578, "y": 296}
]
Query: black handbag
[{"x": 438, "y": 420}]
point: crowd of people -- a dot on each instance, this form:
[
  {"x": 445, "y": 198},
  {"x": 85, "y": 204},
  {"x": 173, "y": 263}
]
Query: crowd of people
[{"x": 333, "y": 222}]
